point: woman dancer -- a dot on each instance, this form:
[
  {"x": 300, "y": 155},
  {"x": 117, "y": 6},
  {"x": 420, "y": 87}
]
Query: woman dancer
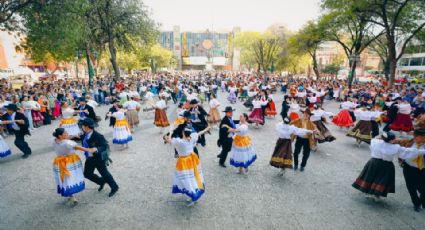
[
  {"x": 377, "y": 178},
  {"x": 363, "y": 129},
  {"x": 67, "y": 166},
  {"x": 161, "y": 119},
  {"x": 188, "y": 177},
  {"x": 4, "y": 147},
  {"x": 318, "y": 117},
  {"x": 294, "y": 110},
  {"x": 122, "y": 133},
  {"x": 403, "y": 121},
  {"x": 214, "y": 114},
  {"x": 271, "y": 107},
  {"x": 256, "y": 115},
  {"x": 243, "y": 154},
  {"x": 232, "y": 94},
  {"x": 282, "y": 154},
  {"x": 69, "y": 122},
  {"x": 344, "y": 118}
]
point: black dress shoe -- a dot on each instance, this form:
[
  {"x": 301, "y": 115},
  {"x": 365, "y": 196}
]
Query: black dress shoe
[
  {"x": 113, "y": 191},
  {"x": 302, "y": 169},
  {"x": 25, "y": 156},
  {"x": 219, "y": 156},
  {"x": 222, "y": 165},
  {"x": 101, "y": 187},
  {"x": 417, "y": 208},
  {"x": 296, "y": 167}
]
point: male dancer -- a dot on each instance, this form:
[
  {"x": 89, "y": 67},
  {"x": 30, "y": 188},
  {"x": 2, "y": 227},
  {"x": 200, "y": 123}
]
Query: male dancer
[
  {"x": 225, "y": 138},
  {"x": 98, "y": 157},
  {"x": 17, "y": 123}
]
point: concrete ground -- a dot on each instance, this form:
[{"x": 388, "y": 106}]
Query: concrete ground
[{"x": 321, "y": 197}]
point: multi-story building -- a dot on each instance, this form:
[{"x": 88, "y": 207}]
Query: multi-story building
[
  {"x": 413, "y": 61},
  {"x": 202, "y": 50}
]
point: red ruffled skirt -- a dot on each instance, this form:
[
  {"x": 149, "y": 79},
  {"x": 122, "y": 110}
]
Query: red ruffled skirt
[
  {"x": 343, "y": 119},
  {"x": 403, "y": 122},
  {"x": 256, "y": 116},
  {"x": 271, "y": 109}
]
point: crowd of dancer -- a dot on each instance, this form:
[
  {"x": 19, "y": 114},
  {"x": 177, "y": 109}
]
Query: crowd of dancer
[{"x": 364, "y": 109}]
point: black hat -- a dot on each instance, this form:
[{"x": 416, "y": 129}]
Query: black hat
[
  {"x": 88, "y": 122},
  {"x": 419, "y": 132},
  {"x": 228, "y": 109},
  {"x": 82, "y": 99},
  {"x": 193, "y": 102},
  {"x": 12, "y": 107},
  {"x": 388, "y": 136}
]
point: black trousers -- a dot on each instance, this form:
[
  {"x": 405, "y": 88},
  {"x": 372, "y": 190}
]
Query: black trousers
[
  {"x": 226, "y": 146},
  {"x": 21, "y": 143},
  {"x": 93, "y": 163},
  {"x": 305, "y": 145},
  {"x": 415, "y": 183},
  {"x": 46, "y": 116},
  {"x": 263, "y": 111}
]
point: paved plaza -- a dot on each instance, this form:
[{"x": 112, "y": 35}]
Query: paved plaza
[{"x": 321, "y": 197}]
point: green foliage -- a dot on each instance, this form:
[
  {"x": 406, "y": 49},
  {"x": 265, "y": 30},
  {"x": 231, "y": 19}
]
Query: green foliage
[{"x": 245, "y": 41}]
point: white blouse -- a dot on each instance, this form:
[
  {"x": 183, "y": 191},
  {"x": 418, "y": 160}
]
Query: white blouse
[
  {"x": 64, "y": 148},
  {"x": 161, "y": 104},
  {"x": 243, "y": 130},
  {"x": 285, "y": 131},
  {"x": 404, "y": 109},
  {"x": 68, "y": 113},
  {"x": 214, "y": 103},
  {"x": 131, "y": 105},
  {"x": 387, "y": 152},
  {"x": 185, "y": 147},
  {"x": 348, "y": 105},
  {"x": 119, "y": 115}
]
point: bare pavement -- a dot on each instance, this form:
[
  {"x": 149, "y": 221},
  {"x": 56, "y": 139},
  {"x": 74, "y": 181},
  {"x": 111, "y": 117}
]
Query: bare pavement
[{"x": 319, "y": 198}]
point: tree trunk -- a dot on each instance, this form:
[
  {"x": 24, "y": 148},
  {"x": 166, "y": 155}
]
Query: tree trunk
[
  {"x": 113, "y": 59},
  {"x": 315, "y": 67},
  {"x": 392, "y": 59},
  {"x": 387, "y": 69},
  {"x": 393, "y": 69},
  {"x": 353, "y": 73}
]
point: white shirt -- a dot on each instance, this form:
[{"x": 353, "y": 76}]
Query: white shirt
[
  {"x": 64, "y": 148},
  {"x": 92, "y": 103},
  {"x": 387, "y": 152},
  {"x": 348, "y": 105},
  {"x": 404, "y": 109}
]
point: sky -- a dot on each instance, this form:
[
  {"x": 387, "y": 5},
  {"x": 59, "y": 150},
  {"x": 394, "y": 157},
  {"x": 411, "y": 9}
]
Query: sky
[{"x": 249, "y": 15}]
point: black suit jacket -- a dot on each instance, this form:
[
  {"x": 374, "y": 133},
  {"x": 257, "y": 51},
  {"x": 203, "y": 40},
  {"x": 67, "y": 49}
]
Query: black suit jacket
[
  {"x": 285, "y": 109},
  {"x": 112, "y": 119},
  {"x": 223, "y": 134},
  {"x": 98, "y": 141},
  {"x": 91, "y": 114},
  {"x": 23, "y": 128}
]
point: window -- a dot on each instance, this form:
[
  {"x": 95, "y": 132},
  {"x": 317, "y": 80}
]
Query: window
[
  {"x": 415, "y": 61},
  {"x": 404, "y": 62}
]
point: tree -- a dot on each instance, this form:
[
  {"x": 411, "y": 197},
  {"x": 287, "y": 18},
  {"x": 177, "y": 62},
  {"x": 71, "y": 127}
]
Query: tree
[
  {"x": 8, "y": 11},
  {"x": 307, "y": 41},
  {"x": 401, "y": 20},
  {"x": 162, "y": 57},
  {"x": 266, "y": 50},
  {"x": 244, "y": 41},
  {"x": 112, "y": 22},
  {"x": 380, "y": 47},
  {"x": 347, "y": 23}
]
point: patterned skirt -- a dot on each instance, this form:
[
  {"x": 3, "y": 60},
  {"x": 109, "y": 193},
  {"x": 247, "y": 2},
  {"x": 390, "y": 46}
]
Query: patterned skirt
[
  {"x": 362, "y": 131},
  {"x": 4, "y": 148},
  {"x": 122, "y": 134},
  {"x": 36, "y": 116},
  {"x": 282, "y": 154},
  {"x": 161, "y": 119},
  {"x": 68, "y": 172},
  {"x": 71, "y": 126},
  {"x": 324, "y": 133},
  {"x": 243, "y": 154},
  {"x": 377, "y": 178},
  {"x": 256, "y": 116},
  {"x": 188, "y": 177}
]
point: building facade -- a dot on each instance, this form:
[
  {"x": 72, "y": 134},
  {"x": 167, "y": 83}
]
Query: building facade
[{"x": 202, "y": 50}]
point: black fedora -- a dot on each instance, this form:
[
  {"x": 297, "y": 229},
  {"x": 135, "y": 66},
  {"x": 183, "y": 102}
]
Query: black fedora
[
  {"x": 228, "y": 109},
  {"x": 12, "y": 107}
]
